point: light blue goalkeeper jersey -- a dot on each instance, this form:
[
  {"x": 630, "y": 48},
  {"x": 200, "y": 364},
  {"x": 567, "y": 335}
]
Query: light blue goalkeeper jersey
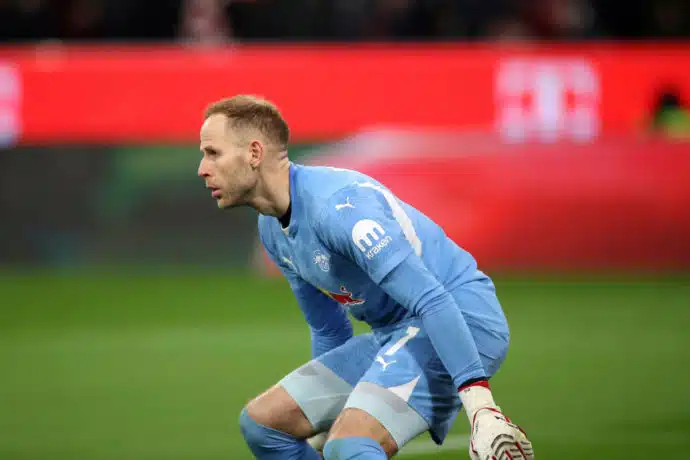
[{"x": 352, "y": 246}]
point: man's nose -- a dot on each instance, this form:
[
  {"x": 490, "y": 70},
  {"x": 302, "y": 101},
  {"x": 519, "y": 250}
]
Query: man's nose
[{"x": 203, "y": 170}]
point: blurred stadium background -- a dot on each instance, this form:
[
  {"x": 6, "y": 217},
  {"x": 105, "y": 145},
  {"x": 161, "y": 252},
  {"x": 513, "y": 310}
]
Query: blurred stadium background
[{"x": 549, "y": 137}]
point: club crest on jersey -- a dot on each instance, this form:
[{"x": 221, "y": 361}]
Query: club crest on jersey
[
  {"x": 322, "y": 260},
  {"x": 344, "y": 297}
]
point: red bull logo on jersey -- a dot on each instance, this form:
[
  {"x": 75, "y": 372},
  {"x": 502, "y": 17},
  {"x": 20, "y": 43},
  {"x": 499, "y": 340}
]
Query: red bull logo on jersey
[{"x": 344, "y": 297}]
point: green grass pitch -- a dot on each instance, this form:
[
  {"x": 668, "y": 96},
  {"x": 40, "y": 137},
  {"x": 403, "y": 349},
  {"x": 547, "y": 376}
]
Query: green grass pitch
[{"x": 157, "y": 367}]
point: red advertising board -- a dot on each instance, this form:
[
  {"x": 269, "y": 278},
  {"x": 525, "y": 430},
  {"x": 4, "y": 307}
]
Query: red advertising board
[{"x": 153, "y": 94}]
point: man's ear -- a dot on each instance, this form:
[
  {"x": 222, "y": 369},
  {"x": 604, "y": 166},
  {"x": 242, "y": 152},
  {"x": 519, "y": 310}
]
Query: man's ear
[{"x": 257, "y": 152}]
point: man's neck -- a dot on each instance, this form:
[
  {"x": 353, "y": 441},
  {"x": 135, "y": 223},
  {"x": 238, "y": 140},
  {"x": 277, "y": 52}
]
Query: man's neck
[{"x": 273, "y": 195}]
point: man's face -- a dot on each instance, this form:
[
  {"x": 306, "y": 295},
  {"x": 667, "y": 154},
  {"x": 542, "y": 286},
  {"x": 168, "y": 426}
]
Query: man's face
[{"x": 225, "y": 165}]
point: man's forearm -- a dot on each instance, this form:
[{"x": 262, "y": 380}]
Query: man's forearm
[{"x": 324, "y": 341}]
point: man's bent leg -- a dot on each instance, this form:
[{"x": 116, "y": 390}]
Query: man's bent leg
[
  {"x": 276, "y": 409},
  {"x": 356, "y": 435},
  {"x": 393, "y": 402},
  {"x": 378, "y": 414},
  {"x": 306, "y": 401},
  {"x": 274, "y": 427},
  {"x": 322, "y": 386}
]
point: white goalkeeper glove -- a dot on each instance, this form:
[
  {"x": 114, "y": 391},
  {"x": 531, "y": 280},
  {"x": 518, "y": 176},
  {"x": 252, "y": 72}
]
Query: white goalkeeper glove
[{"x": 495, "y": 437}]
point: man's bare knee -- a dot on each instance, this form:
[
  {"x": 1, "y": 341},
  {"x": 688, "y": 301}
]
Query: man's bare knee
[
  {"x": 276, "y": 409},
  {"x": 356, "y": 423}
]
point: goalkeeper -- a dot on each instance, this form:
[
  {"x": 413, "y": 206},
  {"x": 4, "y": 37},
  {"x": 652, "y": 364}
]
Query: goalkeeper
[{"x": 347, "y": 245}]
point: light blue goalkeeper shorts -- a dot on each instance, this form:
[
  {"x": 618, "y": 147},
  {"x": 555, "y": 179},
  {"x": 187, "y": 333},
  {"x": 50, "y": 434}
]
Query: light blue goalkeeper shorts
[{"x": 394, "y": 375}]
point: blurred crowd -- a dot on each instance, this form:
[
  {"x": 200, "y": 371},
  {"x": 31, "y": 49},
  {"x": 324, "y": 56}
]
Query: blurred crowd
[{"x": 230, "y": 20}]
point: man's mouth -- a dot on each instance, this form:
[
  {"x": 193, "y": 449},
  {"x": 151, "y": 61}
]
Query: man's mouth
[{"x": 215, "y": 191}]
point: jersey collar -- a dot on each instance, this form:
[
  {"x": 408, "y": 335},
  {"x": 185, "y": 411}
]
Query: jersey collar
[{"x": 294, "y": 202}]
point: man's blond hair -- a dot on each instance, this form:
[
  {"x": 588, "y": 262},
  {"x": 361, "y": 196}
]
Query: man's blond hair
[{"x": 252, "y": 112}]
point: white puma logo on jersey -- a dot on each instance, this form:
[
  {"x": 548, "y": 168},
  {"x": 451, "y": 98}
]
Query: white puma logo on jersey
[
  {"x": 347, "y": 204},
  {"x": 385, "y": 364}
]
